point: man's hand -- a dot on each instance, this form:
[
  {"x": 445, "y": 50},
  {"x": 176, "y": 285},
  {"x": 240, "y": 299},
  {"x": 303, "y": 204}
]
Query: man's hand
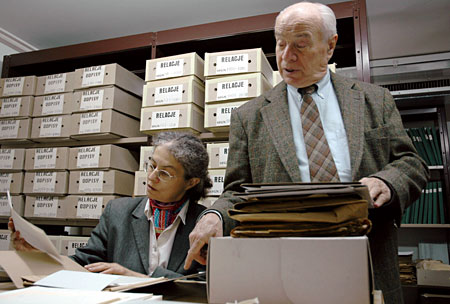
[
  {"x": 208, "y": 226},
  {"x": 113, "y": 268},
  {"x": 378, "y": 190},
  {"x": 18, "y": 242}
]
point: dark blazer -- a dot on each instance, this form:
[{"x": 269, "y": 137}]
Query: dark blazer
[
  {"x": 122, "y": 236},
  {"x": 262, "y": 150}
]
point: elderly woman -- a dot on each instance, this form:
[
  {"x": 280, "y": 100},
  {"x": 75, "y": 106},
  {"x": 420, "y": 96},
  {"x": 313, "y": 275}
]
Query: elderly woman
[{"x": 150, "y": 235}]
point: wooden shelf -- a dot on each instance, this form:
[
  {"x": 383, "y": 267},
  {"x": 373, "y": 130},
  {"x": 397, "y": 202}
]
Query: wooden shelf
[{"x": 431, "y": 226}]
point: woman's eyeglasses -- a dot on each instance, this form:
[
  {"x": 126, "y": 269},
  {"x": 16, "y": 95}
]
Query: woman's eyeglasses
[{"x": 161, "y": 174}]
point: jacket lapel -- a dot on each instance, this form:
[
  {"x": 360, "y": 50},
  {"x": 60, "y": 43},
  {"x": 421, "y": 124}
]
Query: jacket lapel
[{"x": 141, "y": 228}]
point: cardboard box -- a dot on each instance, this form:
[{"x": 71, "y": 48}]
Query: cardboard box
[
  {"x": 18, "y": 86},
  {"x": 12, "y": 160},
  {"x": 174, "y": 66},
  {"x": 54, "y": 159},
  {"x": 45, "y": 207},
  {"x": 15, "y": 130},
  {"x": 188, "y": 89},
  {"x": 4, "y": 239},
  {"x": 56, "y": 83},
  {"x": 68, "y": 244},
  {"x": 207, "y": 201},
  {"x": 102, "y": 157},
  {"x": 140, "y": 183},
  {"x": 237, "y": 62},
  {"x": 16, "y": 107},
  {"x": 218, "y": 115},
  {"x": 289, "y": 270},
  {"x": 109, "y": 74},
  {"x": 12, "y": 182},
  {"x": 46, "y": 183},
  {"x": 52, "y": 128},
  {"x": 218, "y": 177},
  {"x": 18, "y": 202},
  {"x": 104, "y": 124},
  {"x": 111, "y": 97},
  {"x": 182, "y": 117},
  {"x": 55, "y": 104},
  {"x": 236, "y": 87},
  {"x": 145, "y": 155},
  {"x": 101, "y": 182},
  {"x": 276, "y": 78},
  {"x": 218, "y": 155},
  {"x": 433, "y": 277},
  {"x": 86, "y": 206}
]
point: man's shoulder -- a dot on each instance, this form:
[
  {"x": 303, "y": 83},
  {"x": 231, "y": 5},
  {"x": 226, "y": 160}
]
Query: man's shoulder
[
  {"x": 355, "y": 84},
  {"x": 251, "y": 106}
]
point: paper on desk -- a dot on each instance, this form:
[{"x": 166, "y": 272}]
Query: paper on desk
[{"x": 35, "y": 236}]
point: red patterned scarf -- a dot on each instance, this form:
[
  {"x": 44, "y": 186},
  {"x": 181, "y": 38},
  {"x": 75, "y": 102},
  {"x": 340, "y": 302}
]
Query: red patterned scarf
[{"x": 164, "y": 214}]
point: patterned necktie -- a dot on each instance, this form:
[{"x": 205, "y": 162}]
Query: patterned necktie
[{"x": 321, "y": 163}]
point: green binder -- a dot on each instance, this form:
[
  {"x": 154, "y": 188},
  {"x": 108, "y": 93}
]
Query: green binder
[
  {"x": 434, "y": 218},
  {"x": 441, "y": 203},
  {"x": 427, "y": 146},
  {"x": 437, "y": 145},
  {"x": 419, "y": 145}
]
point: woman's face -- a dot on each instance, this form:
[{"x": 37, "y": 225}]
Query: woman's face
[{"x": 172, "y": 189}]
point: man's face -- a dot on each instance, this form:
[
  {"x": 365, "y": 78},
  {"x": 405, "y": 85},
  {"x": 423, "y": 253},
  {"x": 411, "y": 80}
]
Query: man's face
[{"x": 302, "y": 53}]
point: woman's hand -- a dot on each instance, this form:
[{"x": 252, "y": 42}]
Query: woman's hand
[
  {"x": 113, "y": 268},
  {"x": 19, "y": 243}
]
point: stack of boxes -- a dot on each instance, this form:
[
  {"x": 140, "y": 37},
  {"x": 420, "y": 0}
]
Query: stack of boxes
[{"x": 140, "y": 177}]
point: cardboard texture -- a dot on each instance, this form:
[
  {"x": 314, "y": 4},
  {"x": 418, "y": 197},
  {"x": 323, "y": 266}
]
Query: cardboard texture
[
  {"x": 208, "y": 201},
  {"x": 104, "y": 124},
  {"x": 18, "y": 202},
  {"x": 46, "y": 183},
  {"x": 15, "y": 130},
  {"x": 109, "y": 74},
  {"x": 101, "y": 182},
  {"x": 12, "y": 181},
  {"x": 218, "y": 115},
  {"x": 4, "y": 239},
  {"x": 289, "y": 270},
  {"x": 433, "y": 277},
  {"x": 56, "y": 83},
  {"x": 188, "y": 89},
  {"x": 140, "y": 183},
  {"x": 70, "y": 243},
  {"x": 52, "y": 128},
  {"x": 12, "y": 160},
  {"x": 276, "y": 78},
  {"x": 145, "y": 155},
  {"x": 235, "y": 87},
  {"x": 54, "y": 104},
  {"x": 182, "y": 117},
  {"x": 218, "y": 155},
  {"x": 217, "y": 176},
  {"x": 111, "y": 97},
  {"x": 18, "y": 86},
  {"x": 237, "y": 62},
  {"x": 55, "y": 207},
  {"x": 102, "y": 157},
  {"x": 54, "y": 159},
  {"x": 174, "y": 66},
  {"x": 16, "y": 107}
]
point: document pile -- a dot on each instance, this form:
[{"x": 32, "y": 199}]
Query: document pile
[
  {"x": 407, "y": 268},
  {"x": 302, "y": 209}
]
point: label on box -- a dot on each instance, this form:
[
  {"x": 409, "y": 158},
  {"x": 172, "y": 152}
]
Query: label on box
[
  {"x": 7, "y": 158},
  {"x": 13, "y": 86},
  {"x": 93, "y": 76},
  {"x": 169, "y": 94},
  {"x": 5, "y": 182},
  {"x": 170, "y": 68},
  {"x": 88, "y": 157},
  {"x": 232, "y": 89},
  {"x": 55, "y": 83},
  {"x": 4, "y": 241},
  {"x": 73, "y": 245},
  {"x": 51, "y": 127},
  {"x": 53, "y": 104},
  {"x": 217, "y": 187},
  {"x": 223, "y": 156},
  {"x": 91, "y": 181},
  {"x": 45, "y": 158},
  {"x": 9, "y": 128},
  {"x": 224, "y": 115},
  {"x": 232, "y": 64},
  {"x": 90, "y": 207},
  {"x": 46, "y": 206},
  {"x": 4, "y": 206},
  {"x": 91, "y": 100},
  {"x": 11, "y": 107},
  {"x": 90, "y": 122},
  {"x": 165, "y": 119},
  {"x": 44, "y": 182}
]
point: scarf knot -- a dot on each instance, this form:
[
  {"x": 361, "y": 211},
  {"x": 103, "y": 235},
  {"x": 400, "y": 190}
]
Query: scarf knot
[{"x": 164, "y": 214}]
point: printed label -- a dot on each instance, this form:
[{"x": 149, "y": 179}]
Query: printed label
[
  {"x": 7, "y": 158},
  {"x": 55, "y": 83},
  {"x": 51, "y": 127},
  {"x": 89, "y": 207},
  {"x": 13, "y": 86},
  {"x": 90, "y": 122},
  {"x": 9, "y": 128},
  {"x": 224, "y": 115},
  {"x": 5, "y": 182},
  {"x": 232, "y": 64},
  {"x": 217, "y": 187},
  {"x": 4, "y": 206},
  {"x": 232, "y": 90},
  {"x": 93, "y": 76},
  {"x": 91, "y": 181},
  {"x": 88, "y": 157},
  {"x": 165, "y": 119},
  {"x": 91, "y": 100},
  {"x": 4, "y": 241},
  {"x": 11, "y": 107},
  {"x": 169, "y": 94},
  {"x": 53, "y": 104},
  {"x": 46, "y": 206},
  {"x": 45, "y": 158},
  {"x": 170, "y": 68},
  {"x": 73, "y": 245},
  {"x": 44, "y": 182},
  {"x": 223, "y": 156}
]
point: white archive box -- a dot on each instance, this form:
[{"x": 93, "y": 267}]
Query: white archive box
[
  {"x": 140, "y": 183},
  {"x": 103, "y": 124},
  {"x": 54, "y": 159},
  {"x": 237, "y": 62},
  {"x": 236, "y": 87},
  {"x": 218, "y": 155},
  {"x": 18, "y": 86},
  {"x": 86, "y": 206},
  {"x": 15, "y": 130},
  {"x": 16, "y": 107},
  {"x": 18, "y": 203},
  {"x": 68, "y": 244},
  {"x": 12, "y": 160},
  {"x": 276, "y": 78},
  {"x": 102, "y": 157},
  {"x": 46, "y": 183},
  {"x": 182, "y": 117},
  {"x": 174, "y": 66},
  {"x": 101, "y": 182},
  {"x": 217, "y": 177},
  {"x": 208, "y": 201},
  {"x": 55, "y": 83},
  {"x": 52, "y": 128},
  {"x": 102, "y": 98},
  {"x": 54, "y": 104},
  {"x": 109, "y": 74},
  {"x": 289, "y": 270},
  {"x": 45, "y": 207},
  {"x": 145, "y": 155},
  {"x": 187, "y": 89},
  {"x": 4, "y": 239},
  {"x": 218, "y": 115},
  {"x": 11, "y": 181}
]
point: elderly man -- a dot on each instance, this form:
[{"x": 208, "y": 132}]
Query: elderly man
[{"x": 362, "y": 139}]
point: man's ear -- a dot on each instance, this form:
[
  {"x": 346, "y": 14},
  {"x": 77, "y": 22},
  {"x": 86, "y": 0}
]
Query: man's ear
[{"x": 332, "y": 45}]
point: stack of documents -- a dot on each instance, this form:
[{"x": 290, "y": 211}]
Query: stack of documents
[
  {"x": 302, "y": 209},
  {"x": 407, "y": 268}
]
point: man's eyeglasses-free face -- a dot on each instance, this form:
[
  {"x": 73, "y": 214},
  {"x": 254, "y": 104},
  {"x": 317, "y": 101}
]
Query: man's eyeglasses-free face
[{"x": 162, "y": 175}]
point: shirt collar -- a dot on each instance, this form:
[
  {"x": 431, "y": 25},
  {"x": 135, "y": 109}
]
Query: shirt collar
[
  {"x": 321, "y": 84},
  {"x": 181, "y": 214}
]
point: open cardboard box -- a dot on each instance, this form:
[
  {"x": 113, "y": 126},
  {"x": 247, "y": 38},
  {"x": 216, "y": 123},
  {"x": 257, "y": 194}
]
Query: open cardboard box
[{"x": 289, "y": 270}]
